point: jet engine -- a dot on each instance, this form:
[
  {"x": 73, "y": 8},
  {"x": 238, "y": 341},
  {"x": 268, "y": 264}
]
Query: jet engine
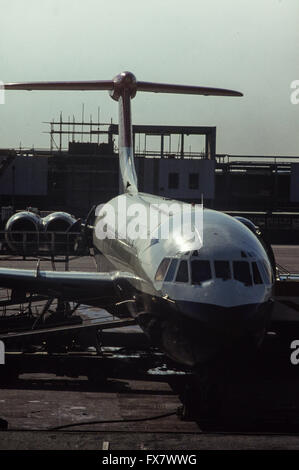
[
  {"x": 55, "y": 226},
  {"x": 22, "y": 232},
  {"x": 258, "y": 233}
]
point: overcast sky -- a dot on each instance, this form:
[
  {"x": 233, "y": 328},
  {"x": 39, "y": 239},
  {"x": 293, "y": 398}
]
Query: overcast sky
[{"x": 248, "y": 45}]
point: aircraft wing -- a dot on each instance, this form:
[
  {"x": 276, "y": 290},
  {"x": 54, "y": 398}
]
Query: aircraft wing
[{"x": 97, "y": 289}]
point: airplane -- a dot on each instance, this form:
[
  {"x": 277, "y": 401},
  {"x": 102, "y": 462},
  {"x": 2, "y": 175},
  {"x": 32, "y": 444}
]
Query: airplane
[{"x": 198, "y": 304}]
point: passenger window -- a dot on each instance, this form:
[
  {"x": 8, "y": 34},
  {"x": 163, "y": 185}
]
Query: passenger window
[
  {"x": 222, "y": 270},
  {"x": 242, "y": 272},
  {"x": 256, "y": 274},
  {"x": 171, "y": 270},
  {"x": 182, "y": 274},
  {"x": 201, "y": 271},
  {"x": 161, "y": 271}
]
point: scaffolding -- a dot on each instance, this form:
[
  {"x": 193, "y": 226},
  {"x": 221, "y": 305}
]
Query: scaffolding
[{"x": 72, "y": 129}]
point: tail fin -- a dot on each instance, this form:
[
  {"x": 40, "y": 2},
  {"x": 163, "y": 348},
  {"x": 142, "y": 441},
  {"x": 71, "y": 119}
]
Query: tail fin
[{"x": 122, "y": 89}]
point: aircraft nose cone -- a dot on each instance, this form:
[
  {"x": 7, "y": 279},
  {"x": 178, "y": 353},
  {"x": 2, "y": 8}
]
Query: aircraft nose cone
[
  {"x": 229, "y": 322},
  {"x": 202, "y": 333}
]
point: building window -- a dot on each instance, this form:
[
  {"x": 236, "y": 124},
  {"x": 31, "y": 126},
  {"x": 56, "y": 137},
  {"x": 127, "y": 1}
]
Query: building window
[
  {"x": 193, "y": 181},
  {"x": 173, "y": 180}
]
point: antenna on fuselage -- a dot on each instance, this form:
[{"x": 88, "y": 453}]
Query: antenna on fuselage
[{"x": 123, "y": 88}]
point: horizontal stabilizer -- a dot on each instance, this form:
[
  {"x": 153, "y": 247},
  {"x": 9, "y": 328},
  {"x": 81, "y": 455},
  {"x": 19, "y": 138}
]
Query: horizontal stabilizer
[
  {"x": 111, "y": 84},
  {"x": 185, "y": 89},
  {"x": 83, "y": 85},
  {"x": 122, "y": 89}
]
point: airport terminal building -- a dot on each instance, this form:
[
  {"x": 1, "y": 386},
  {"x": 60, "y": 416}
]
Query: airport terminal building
[{"x": 86, "y": 173}]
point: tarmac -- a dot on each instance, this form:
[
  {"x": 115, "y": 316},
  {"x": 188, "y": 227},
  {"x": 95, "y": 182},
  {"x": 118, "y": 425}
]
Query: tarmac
[{"x": 260, "y": 410}]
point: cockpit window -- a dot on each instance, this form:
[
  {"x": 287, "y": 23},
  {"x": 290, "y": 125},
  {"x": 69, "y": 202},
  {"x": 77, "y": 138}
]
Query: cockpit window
[
  {"x": 201, "y": 271},
  {"x": 242, "y": 272},
  {"x": 182, "y": 274},
  {"x": 222, "y": 270},
  {"x": 267, "y": 272},
  {"x": 171, "y": 270},
  {"x": 161, "y": 271},
  {"x": 257, "y": 279}
]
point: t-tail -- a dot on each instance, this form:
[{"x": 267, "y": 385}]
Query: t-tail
[{"x": 122, "y": 89}]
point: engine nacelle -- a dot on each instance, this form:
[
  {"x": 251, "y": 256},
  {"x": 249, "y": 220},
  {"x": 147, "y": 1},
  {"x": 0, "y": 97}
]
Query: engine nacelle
[
  {"x": 58, "y": 222},
  {"x": 22, "y": 232},
  {"x": 55, "y": 226}
]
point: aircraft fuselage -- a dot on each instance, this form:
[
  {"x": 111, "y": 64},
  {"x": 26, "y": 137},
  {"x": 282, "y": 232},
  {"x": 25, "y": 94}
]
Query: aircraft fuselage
[{"x": 193, "y": 303}]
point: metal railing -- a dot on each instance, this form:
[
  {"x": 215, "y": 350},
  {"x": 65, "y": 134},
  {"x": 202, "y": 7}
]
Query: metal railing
[{"x": 35, "y": 243}]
